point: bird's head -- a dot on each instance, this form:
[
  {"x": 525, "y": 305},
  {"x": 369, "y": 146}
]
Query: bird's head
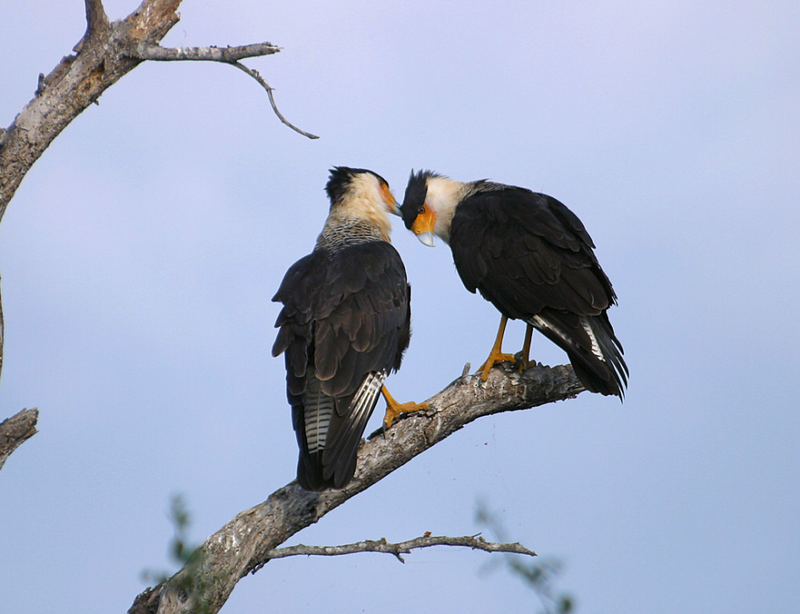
[
  {"x": 429, "y": 205},
  {"x": 359, "y": 189},
  {"x": 360, "y": 194}
]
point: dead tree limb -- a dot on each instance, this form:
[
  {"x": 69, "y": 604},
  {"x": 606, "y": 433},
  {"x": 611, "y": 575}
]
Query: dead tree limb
[
  {"x": 2, "y": 332},
  {"x": 106, "y": 52},
  {"x": 157, "y": 53},
  {"x": 15, "y": 430},
  {"x": 19, "y": 427},
  {"x": 476, "y": 542},
  {"x": 96, "y": 18},
  {"x": 243, "y": 544},
  {"x": 76, "y": 82}
]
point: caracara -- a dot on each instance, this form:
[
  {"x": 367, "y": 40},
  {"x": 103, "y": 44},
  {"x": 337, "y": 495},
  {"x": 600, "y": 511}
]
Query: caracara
[
  {"x": 531, "y": 257},
  {"x": 343, "y": 327}
]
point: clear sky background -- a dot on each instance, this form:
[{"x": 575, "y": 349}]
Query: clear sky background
[{"x": 140, "y": 254}]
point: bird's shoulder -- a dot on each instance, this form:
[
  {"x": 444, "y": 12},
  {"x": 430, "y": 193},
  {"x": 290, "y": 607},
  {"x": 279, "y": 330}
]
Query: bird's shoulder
[
  {"x": 327, "y": 278},
  {"x": 512, "y": 212}
]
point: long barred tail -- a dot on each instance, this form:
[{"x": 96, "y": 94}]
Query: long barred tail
[
  {"x": 593, "y": 349},
  {"x": 331, "y": 431}
]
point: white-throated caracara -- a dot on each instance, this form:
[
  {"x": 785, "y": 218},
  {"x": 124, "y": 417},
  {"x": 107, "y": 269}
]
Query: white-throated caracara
[
  {"x": 344, "y": 325},
  {"x": 532, "y": 258}
]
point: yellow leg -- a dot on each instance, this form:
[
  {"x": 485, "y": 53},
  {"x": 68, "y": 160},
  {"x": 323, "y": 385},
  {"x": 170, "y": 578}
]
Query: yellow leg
[
  {"x": 496, "y": 355},
  {"x": 526, "y": 349},
  {"x": 394, "y": 409}
]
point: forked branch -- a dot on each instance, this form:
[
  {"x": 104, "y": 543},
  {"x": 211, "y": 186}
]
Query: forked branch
[
  {"x": 105, "y": 53},
  {"x": 96, "y": 18}
]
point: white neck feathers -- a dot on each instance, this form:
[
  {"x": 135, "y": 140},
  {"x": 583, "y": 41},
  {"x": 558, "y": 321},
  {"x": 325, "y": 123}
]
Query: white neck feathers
[
  {"x": 442, "y": 197},
  {"x": 363, "y": 202}
]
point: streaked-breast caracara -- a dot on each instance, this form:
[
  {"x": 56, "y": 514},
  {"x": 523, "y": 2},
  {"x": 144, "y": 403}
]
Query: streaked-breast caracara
[
  {"x": 531, "y": 257},
  {"x": 343, "y": 327}
]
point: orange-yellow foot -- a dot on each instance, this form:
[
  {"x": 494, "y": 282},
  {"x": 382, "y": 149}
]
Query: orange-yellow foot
[
  {"x": 522, "y": 358},
  {"x": 523, "y": 365},
  {"x": 394, "y": 409},
  {"x": 494, "y": 357}
]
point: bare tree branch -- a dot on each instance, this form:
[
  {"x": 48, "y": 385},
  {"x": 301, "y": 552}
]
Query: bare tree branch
[
  {"x": 381, "y": 545},
  {"x": 96, "y": 18},
  {"x": 76, "y": 82},
  {"x": 228, "y": 55},
  {"x": 15, "y": 430},
  {"x": 2, "y": 331},
  {"x": 105, "y": 53},
  {"x": 245, "y": 542},
  {"x": 19, "y": 427}
]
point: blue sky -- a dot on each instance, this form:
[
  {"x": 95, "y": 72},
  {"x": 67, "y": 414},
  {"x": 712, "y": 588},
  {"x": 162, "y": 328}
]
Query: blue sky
[{"x": 140, "y": 253}]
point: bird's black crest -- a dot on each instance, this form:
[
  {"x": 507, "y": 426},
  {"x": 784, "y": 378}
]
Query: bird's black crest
[
  {"x": 416, "y": 190},
  {"x": 340, "y": 179}
]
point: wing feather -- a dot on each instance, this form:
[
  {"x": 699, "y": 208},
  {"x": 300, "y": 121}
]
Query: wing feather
[
  {"x": 531, "y": 257},
  {"x": 343, "y": 327},
  {"x": 525, "y": 252}
]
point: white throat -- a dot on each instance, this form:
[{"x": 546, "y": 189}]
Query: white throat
[{"x": 442, "y": 197}]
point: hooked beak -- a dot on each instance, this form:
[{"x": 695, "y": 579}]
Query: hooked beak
[
  {"x": 423, "y": 225},
  {"x": 426, "y": 238}
]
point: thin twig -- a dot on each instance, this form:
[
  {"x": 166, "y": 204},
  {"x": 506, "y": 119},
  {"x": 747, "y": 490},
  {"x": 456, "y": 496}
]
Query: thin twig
[
  {"x": 476, "y": 542},
  {"x": 266, "y": 86}
]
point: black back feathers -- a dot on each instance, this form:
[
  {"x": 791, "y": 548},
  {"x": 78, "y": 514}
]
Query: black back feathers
[
  {"x": 344, "y": 326},
  {"x": 531, "y": 257}
]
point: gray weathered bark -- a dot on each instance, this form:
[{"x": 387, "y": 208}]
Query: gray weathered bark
[
  {"x": 15, "y": 430},
  {"x": 76, "y": 82},
  {"x": 241, "y": 546},
  {"x": 105, "y": 53}
]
